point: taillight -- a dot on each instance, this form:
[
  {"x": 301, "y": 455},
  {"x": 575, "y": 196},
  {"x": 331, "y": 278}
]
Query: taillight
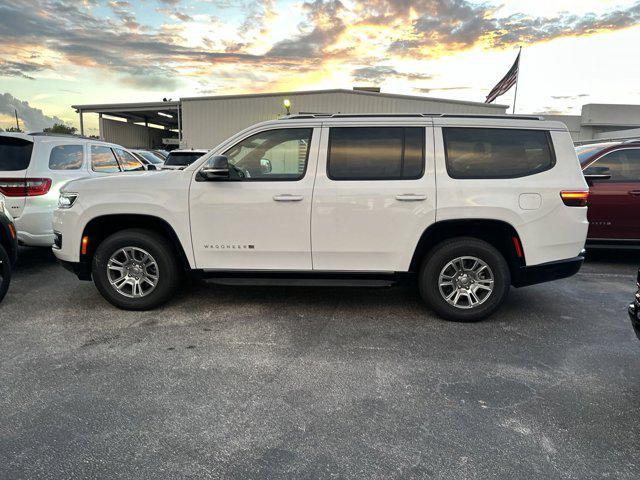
[
  {"x": 575, "y": 198},
  {"x": 24, "y": 187}
]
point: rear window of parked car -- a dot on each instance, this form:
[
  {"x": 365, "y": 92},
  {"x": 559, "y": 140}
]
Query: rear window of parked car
[
  {"x": 496, "y": 152},
  {"x": 182, "y": 159},
  {"x": 376, "y": 153},
  {"x": 66, "y": 157},
  {"x": 15, "y": 154}
]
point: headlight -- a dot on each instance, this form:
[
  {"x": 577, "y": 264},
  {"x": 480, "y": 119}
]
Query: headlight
[{"x": 66, "y": 200}]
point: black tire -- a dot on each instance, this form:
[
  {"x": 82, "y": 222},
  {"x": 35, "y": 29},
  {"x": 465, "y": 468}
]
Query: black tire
[
  {"x": 447, "y": 251},
  {"x": 5, "y": 272},
  {"x": 168, "y": 269}
]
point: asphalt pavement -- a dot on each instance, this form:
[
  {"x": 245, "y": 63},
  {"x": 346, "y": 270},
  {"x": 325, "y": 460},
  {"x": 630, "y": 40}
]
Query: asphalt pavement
[{"x": 289, "y": 382}]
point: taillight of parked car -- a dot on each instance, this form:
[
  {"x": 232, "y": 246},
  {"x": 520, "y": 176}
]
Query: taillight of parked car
[
  {"x": 575, "y": 198},
  {"x": 24, "y": 187}
]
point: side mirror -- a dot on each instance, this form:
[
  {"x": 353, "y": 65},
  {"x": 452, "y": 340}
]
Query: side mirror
[
  {"x": 216, "y": 168},
  {"x": 265, "y": 165},
  {"x": 592, "y": 174},
  {"x": 151, "y": 166}
]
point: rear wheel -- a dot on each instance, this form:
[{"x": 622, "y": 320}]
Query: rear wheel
[
  {"x": 5, "y": 272},
  {"x": 464, "y": 279},
  {"x": 136, "y": 269}
]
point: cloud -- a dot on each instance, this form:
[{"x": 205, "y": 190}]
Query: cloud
[
  {"x": 379, "y": 73},
  {"x": 32, "y": 119},
  {"x": 10, "y": 68},
  {"x": 441, "y": 89},
  {"x": 365, "y": 37}
]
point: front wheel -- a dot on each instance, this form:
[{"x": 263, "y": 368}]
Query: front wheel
[
  {"x": 5, "y": 272},
  {"x": 135, "y": 269},
  {"x": 464, "y": 279}
]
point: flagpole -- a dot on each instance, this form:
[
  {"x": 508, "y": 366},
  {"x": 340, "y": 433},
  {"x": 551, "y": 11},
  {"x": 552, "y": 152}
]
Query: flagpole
[{"x": 515, "y": 96}]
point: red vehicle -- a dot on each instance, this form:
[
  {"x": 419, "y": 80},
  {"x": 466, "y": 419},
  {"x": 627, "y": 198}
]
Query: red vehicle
[{"x": 612, "y": 171}]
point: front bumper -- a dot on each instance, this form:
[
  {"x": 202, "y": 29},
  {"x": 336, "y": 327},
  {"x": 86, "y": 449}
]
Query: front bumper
[{"x": 546, "y": 272}]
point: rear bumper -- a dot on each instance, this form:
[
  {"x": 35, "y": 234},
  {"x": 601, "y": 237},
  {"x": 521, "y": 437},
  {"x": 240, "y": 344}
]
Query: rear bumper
[{"x": 546, "y": 272}]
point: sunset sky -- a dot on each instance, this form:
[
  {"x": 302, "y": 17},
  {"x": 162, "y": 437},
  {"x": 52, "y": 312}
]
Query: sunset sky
[{"x": 57, "y": 53}]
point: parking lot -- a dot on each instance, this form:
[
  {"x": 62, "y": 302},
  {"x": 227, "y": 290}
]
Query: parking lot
[{"x": 257, "y": 382}]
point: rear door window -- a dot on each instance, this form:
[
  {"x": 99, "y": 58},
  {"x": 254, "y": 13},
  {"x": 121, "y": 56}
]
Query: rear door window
[
  {"x": 127, "y": 161},
  {"x": 376, "y": 153},
  {"x": 15, "y": 154},
  {"x": 66, "y": 157},
  {"x": 103, "y": 160},
  {"x": 496, "y": 152}
]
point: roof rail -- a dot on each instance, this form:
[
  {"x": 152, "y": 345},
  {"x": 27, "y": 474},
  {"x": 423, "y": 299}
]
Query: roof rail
[
  {"x": 66, "y": 135},
  {"x": 410, "y": 115}
]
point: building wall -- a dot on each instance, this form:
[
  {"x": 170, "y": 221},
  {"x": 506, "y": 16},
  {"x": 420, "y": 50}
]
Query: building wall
[
  {"x": 208, "y": 121},
  {"x": 130, "y": 135},
  {"x": 602, "y": 121}
]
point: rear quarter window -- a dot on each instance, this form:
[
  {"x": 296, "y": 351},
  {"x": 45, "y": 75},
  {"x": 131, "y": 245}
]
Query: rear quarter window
[
  {"x": 66, "y": 157},
  {"x": 483, "y": 153},
  {"x": 15, "y": 154}
]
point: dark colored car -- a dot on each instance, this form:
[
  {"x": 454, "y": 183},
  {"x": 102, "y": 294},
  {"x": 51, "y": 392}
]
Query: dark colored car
[
  {"x": 634, "y": 310},
  {"x": 8, "y": 248},
  {"x": 612, "y": 171}
]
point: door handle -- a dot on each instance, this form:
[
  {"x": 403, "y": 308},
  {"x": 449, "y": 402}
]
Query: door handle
[
  {"x": 286, "y": 197},
  {"x": 411, "y": 197},
  {"x": 635, "y": 193}
]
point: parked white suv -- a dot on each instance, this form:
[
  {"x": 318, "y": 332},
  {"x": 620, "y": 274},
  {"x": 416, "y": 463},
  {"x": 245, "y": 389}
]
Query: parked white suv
[
  {"x": 34, "y": 166},
  {"x": 467, "y": 205}
]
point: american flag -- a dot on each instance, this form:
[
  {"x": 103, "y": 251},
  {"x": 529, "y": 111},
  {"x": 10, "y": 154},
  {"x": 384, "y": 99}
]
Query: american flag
[{"x": 504, "y": 85}]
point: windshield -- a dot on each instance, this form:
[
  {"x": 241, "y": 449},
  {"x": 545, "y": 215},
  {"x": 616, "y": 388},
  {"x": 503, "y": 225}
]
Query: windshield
[
  {"x": 585, "y": 152},
  {"x": 150, "y": 157},
  {"x": 15, "y": 154},
  {"x": 182, "y": 159}
]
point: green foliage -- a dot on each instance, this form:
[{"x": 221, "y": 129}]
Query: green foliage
[
  {"x": 61, "y": 128},
  {"x": 14, "y": 129}
]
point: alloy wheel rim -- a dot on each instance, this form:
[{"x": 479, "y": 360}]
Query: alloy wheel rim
[
  {"x": 466, "y": 282},
  {"x": 133, "y": 272}
]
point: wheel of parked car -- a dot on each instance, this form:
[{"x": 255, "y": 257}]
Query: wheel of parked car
[
  {"x": 5, "y": 272},
  {"x": 136, "y": 269},
  {"x": 464, "y": 279}
]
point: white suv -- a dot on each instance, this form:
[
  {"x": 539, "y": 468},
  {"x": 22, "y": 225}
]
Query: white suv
[
  {"x": 467, "y": 205},
  {"x": 34, "y": 166}
]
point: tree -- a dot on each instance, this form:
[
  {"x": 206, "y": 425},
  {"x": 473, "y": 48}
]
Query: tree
[
  {"x": 60, "y": 128},
  {"x": 14, "y": 129}
]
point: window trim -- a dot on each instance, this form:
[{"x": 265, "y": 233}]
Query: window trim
[
  {"x": 602, "y": 180},
  {"x": 66, "y": 169},
  {"x": 302, "y": 175},
  {"x": 380, "y": 179},
  {"x": 112, "y": 153},
  {"x": 552, "y": 153}
]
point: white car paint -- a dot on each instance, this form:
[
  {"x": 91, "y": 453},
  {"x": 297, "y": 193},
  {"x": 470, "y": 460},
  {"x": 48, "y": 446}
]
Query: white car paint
[{"x": 337, "y": 226}]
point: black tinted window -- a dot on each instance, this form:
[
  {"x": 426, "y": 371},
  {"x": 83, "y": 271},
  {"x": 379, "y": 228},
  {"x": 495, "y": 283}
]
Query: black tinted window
[
  {"x": 376, "y": 153},
  {"x": 15, "y": 154},
  {"x": 66, "y": 157},
  {"x": 182, "y": 159},
  {"x": 496, "y": 152}
]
